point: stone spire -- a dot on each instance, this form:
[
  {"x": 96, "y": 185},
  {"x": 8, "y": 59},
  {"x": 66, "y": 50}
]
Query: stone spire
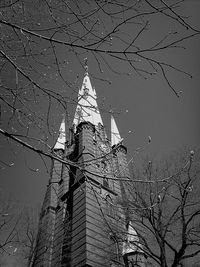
[
  {"x": 87, "y": 108},
  {"x": 132, "y": 243},
  {"x": 115, "y": 136},
  {"x": 60, "y": 143}
]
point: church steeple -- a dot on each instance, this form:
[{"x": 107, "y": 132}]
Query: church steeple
[
  {"x": 87, "y": 108},
  {"x": 81, "y": 221}
]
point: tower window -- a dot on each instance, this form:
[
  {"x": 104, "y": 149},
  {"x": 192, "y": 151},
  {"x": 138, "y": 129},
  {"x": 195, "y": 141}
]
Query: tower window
[
  {"x": 114, "y": 250},
  {"x": 104, "y": 166},
  {"x": 105, "y": 182}
]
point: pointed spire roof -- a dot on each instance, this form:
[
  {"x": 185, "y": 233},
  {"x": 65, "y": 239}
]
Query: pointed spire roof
[
  {"x": 115, "y": 136},
  {"x": 60, "y": 143},
  {"x": 87, "y": 108},
  {"x": 133, "y": 242}
]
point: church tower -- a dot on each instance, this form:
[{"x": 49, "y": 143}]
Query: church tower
[{"x": 82, "y": 221}]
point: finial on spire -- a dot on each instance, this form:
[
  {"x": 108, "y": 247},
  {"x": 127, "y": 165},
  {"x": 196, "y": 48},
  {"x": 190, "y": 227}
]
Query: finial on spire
[{"x": 86, "y": 65}]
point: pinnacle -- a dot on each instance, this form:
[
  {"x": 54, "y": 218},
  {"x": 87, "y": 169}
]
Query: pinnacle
[
  {"x": 87, "y": 108},
  {"x": 115, "y": 136},
  {"x": 60, "y": 143}
]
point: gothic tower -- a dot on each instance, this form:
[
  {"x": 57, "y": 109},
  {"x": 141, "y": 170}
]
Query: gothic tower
[{"x": 82, "y": 221}]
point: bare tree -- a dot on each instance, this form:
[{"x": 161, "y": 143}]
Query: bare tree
[
  {"x": 40, "y": 39},
  {"x": 165, "y": 210},
  {"x": 18, "y": 232},
  {"x": 27, "y": 235},
  {"x": 9, "y": 222}
]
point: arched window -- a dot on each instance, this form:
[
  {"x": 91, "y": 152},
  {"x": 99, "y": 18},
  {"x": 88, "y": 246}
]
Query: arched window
[
  {"x": 114, "y": 250},
  {"x": 105, "y": 182},
  {"x": 104, "y": 167}
]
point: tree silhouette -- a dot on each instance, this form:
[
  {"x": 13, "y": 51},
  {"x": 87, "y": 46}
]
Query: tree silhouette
[
  {"x": 9, "y": 222},
  {"x": 165, "y": 212},
  {"x": 39, "y": 40}
]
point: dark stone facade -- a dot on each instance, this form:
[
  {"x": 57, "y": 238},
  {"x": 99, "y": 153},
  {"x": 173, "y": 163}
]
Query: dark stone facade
[{"x": 82, "y": 223}]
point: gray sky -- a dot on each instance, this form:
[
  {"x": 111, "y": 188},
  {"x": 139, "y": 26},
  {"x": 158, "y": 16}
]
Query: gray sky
[{"x": 146, "y": 108}]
